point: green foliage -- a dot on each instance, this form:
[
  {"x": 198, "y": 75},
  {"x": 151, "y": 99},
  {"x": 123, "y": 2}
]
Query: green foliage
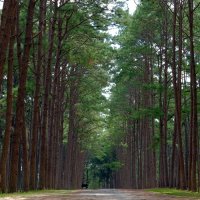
[
  {"x": 175, "y": 192},
  {"x": 36, "y": 193},
  {"x": 102, "y": 164}
]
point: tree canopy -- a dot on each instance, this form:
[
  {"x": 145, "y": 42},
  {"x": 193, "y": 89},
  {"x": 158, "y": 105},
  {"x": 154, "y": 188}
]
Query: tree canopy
[{"x": 82, "y": 105}]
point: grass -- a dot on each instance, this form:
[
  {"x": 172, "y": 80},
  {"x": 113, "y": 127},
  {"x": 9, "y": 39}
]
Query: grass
[
  {"x": 36, "y": 193},
  {"x": 175, "y": 192}
]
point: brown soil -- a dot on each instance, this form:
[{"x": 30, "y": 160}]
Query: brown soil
[{"x": 101, "y": 195}]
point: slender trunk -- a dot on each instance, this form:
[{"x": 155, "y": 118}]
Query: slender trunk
[
  {"x": 173, "y": 160},
  {"x": 165, "y": 104},
  {"x": 193, "y": 95},
  {"x": 43, "y": 157},
  {"x": 179, "y": 100},
  {"x": 162, "y": 174},
  {"x": 177, "y": 94},
  {"x": 20, "y": 99},
  {"x": 6, "y": 143},
  {"x": 53, "y": 118},
  {"x": 36, "y": 98},
  {"x": 25, "y": 158},
  {"x": 72, "y": 133}
]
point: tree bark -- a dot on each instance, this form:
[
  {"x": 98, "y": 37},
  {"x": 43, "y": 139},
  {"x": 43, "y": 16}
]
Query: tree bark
[
  {"x": 6, "y": 143},
  {"x": 177, "y": 94},
  {"x": 193, "y": 96},
  {"x": 43, "y": 157},
  {"x": 7, "y": 21},
  {"x": 20, "y": 98},
  {"x": 25, "y": 158},
  {"x": 35, "y": 122}
]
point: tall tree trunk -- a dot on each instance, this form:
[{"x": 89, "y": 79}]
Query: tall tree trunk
[
  {"x": 162, "y": 174},
  {"x": 177, "y": 94},
  {"x": 6, "y": 143},
  {"x": 193, "y": 95},
  {"x": 72, "y": 132},
  {"x": 179, "y": 99},
  {"x": 43, "y": 157},
  {"x": 35, "y": 126},
  {"x": 53, "y": 114},
  {"x": 20, "y": 98},
  {"x": 165, "y": 103}
]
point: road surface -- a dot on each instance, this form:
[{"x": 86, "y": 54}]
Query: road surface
[{"x": 100, "y": 195}]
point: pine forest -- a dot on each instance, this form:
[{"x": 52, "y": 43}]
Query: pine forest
[{"x": 91, "y": 94}]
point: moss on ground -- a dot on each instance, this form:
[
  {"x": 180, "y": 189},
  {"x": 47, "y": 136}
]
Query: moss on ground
[
  {"x": 175, "y": 192},
  {"x": 36, "y": 193}
]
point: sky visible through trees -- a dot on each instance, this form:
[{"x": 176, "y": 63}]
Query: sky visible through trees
[{"x": 97, "y": 95}]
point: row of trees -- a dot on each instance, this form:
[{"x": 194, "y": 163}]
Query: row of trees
[
  {"x": 53, "y": 57},
  {"x": 55, "y": 60},
  {"x": 154, "y": 104}
]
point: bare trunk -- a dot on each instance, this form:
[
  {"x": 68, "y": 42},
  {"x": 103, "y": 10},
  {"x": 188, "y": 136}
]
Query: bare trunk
[
  {"x": 25, "y": 158},
  {"x": 43, "y": 157},
  {"x": 193, "y": 95},
  {"x": 6, "y": 143},
  {"x": 20, "y": 99},
  {"x": 35, "y": 126}
]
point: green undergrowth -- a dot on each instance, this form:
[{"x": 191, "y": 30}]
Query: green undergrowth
[
  {"x": 175, "y": 192},
  {"x": 36, "y": 193}
]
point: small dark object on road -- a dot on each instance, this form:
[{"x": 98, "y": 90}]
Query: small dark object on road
[{"x": 84, "y": 185}]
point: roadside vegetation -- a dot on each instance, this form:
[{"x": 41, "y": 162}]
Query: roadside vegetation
[
  {"x": 37, "y": 193},
  {"x": 175, "y": 192}
]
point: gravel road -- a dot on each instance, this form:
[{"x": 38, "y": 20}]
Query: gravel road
[{"x": 100, "y": 195}]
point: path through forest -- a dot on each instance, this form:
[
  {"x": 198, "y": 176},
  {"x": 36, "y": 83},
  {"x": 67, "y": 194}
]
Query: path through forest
[{"x": 102, "y": 195}]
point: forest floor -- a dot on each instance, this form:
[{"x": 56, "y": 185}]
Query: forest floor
[{"x": 99, "y": 195}]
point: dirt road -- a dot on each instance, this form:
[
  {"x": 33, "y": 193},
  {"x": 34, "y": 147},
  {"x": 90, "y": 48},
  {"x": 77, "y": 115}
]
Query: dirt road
[{"x": 100, "y": 195}]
